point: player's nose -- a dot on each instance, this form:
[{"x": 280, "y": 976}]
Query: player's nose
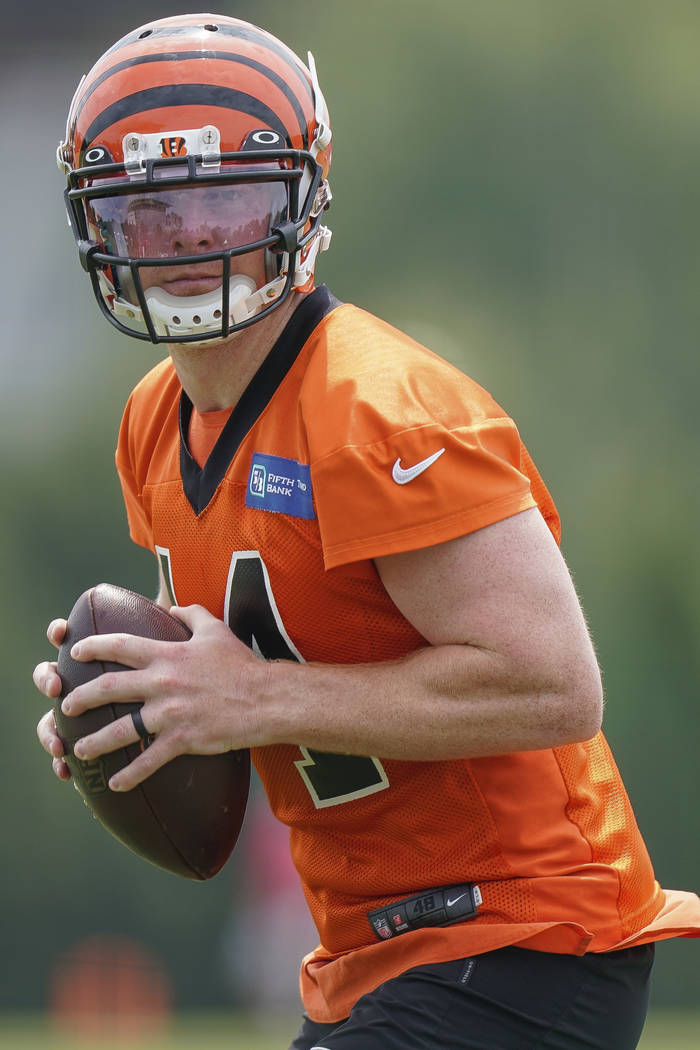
[{"x": 193, "y": 237}]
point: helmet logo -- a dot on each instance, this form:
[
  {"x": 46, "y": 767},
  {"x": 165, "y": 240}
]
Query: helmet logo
[
  {"x": 172, "y": 143},
  {"x": 98, "y": 155},
  {"x": 263, "y": 138},
  {"x": 175, "y": 146}
]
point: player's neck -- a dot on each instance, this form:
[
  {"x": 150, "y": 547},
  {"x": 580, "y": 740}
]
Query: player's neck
[{"x": 215, "y": 375}]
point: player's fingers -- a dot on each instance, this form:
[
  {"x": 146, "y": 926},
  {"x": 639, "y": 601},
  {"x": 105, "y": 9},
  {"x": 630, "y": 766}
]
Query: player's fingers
[
  {"x": 113, "y": 687},
  {"x": 125, "y": 730},
  {"x": 51, "y": 742},
  {"x": 200, "y": 621},
  {"x": 61, "y": 769},
  {"x": 56, "y": 631},
  {"x": 127, "y": 649},
  {"x": 193, "y": 616},
  {"x": 48, "y": 737},
  {"x": 150, "y": 760},
  {"x": 46, "y": 679}
]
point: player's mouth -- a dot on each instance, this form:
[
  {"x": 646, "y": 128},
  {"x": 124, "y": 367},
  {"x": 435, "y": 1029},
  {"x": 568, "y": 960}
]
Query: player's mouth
[{"x": 191, "y": 283}]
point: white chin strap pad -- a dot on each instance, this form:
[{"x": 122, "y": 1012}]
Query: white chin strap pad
[
  {"x": 188, "y": 315},
  {"x": 202, "y": 314}
]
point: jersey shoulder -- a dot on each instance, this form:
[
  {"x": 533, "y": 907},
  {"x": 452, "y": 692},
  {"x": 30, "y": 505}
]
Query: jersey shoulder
[
  {"x": 374, "y": 380},
  {"x": 158, "y": 383},
  {"x": 150, "y": 423},
  {"x": 405, "y": 450}
]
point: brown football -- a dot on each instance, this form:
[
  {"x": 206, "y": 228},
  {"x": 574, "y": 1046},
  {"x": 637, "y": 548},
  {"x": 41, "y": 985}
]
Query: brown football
[{"x": 187, "y": 816}]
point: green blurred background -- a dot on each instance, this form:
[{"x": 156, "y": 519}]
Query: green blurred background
[{"x": 515, "y": 184}]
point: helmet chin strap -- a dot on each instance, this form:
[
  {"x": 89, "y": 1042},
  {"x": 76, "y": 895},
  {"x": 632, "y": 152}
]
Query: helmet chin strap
[
  {"x": 189, "y": 314},
  {"x": 193, "y": 314},
  {"x": 177, "y": 315}
]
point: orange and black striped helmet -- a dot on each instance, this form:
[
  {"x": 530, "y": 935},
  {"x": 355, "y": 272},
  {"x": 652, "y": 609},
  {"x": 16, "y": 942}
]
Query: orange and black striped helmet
[{"x": 197, "y": 152}]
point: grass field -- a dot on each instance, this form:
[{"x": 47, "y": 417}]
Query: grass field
[{"x": 666, "y": 1030}]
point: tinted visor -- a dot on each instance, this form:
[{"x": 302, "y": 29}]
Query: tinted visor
[{"x": 191, "y": 220}]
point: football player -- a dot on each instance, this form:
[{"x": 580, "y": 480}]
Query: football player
[{"x": 368, "y": 561}]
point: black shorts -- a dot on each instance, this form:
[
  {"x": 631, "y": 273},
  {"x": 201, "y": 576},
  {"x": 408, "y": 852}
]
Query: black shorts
[{"x": 511, "y": 999}]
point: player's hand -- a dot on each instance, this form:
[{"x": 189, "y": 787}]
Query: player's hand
[
  {"x": 47, "y": 681},
  {"x": 201, "y": 696}
]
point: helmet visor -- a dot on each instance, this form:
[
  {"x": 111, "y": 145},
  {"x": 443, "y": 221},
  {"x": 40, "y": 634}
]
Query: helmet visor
[
  {"x": 173, "y": 242},
  {"x": 190, "y": 220}
]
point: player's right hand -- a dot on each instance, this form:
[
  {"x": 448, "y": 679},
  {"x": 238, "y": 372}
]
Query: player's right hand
[{"x": 47, "y": 681}]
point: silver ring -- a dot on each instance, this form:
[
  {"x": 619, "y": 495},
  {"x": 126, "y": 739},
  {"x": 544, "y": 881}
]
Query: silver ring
[{"x": 139, "y": 726}]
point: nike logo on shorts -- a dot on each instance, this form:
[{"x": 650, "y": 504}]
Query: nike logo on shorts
[{"x": 402, "y": 475}]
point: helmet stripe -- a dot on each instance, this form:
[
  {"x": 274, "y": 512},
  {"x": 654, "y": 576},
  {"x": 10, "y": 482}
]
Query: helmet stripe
[
  {"x": 241, "y": 32},
  {"x": 185, "y": 56},
  {"x": 182, "y": 95}
]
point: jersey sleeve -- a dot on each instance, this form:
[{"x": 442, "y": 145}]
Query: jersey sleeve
[
  {"x": 365, "y": 512},
  {"x": 409, "y": 451},
  {"x": 139, "y": 525}
]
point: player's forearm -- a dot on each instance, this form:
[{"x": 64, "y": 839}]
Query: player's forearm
[{"x": 442, "y": 702}]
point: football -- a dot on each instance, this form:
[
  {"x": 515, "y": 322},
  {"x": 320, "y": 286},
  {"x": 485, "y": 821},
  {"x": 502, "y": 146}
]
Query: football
[{"x": 187, "y": 816}]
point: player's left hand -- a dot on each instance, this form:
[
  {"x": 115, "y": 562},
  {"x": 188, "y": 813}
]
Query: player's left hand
[{"x": 202, "y": 696}]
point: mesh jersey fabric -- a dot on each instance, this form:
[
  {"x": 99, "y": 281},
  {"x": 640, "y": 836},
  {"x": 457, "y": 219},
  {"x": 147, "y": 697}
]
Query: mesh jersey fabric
[{"x": 549, "y": 836}]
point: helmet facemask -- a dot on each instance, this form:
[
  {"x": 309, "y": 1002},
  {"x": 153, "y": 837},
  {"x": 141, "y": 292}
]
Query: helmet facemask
[{"x": 188, "y": 248}]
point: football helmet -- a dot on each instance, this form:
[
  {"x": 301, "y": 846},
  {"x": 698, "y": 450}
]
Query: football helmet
[{"x": 197, "y": 152}]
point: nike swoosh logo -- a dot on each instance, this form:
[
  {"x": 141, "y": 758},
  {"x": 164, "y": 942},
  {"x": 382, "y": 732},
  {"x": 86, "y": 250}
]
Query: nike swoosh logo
[
  {"x": 402, "y": 475},
  {"x": 450, "y": 901}
]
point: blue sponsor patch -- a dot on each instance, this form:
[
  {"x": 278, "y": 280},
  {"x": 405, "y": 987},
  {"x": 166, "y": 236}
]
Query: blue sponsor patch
[{"x": 280, "y": 485}]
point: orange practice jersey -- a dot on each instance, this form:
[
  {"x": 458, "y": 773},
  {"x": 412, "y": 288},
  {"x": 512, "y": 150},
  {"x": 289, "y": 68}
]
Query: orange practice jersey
[{"x": 307, "y": 483}]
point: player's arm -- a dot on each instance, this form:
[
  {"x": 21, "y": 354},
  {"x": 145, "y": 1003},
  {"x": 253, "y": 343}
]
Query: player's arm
[{"x": 510, "y": 666}]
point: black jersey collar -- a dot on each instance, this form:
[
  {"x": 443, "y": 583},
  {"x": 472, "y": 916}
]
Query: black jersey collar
[{"x": 200, "y": 483}]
